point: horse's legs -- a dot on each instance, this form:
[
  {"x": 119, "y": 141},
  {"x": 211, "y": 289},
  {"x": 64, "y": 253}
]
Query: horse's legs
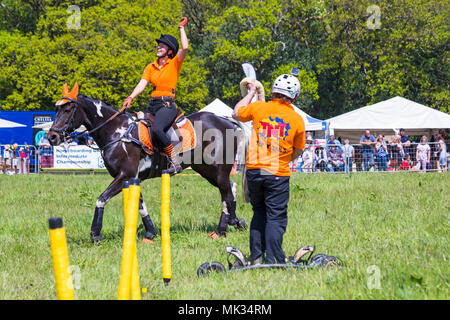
[
  {"x": 228, "y": 192},
  {"x": 227, "y": 200},
  {"x": 150, "y": 231},
  {"x": 220, "y": 178},
  {"x": 113, "y": 189}
]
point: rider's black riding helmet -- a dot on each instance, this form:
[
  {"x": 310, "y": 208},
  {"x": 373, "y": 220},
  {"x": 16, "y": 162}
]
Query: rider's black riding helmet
[{"x": 170, "y": 41}]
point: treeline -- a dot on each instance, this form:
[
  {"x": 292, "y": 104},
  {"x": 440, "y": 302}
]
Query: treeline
[{"x": 351, "y": 53}]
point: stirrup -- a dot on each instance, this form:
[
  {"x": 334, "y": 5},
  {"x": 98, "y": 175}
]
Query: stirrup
[
  {"x": 300, "y": 253},
  {"x": 174, "y": 168},
  {"x": 241, "y": 260}
]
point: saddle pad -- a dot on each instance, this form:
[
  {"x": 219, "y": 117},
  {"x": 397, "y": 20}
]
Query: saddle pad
[
  {"x": 144, "y": 138},
  {"x": 188, "y": 136},
  {"x": 185, "y": 130}
]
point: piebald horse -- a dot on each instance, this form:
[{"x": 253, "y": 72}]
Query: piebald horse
[{"x": 116, "y": 135}]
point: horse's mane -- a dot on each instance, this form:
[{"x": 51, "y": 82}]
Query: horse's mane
[{"x": 91, "y": 102}]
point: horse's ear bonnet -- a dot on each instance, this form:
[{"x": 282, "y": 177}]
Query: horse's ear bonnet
[{"x": 72, "y": 95}]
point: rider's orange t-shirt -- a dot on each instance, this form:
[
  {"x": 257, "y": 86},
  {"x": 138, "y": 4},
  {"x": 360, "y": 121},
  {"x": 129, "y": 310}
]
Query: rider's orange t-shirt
[
  {"x": 277, "y": 130},
  {"x": 163, "y": 79}
]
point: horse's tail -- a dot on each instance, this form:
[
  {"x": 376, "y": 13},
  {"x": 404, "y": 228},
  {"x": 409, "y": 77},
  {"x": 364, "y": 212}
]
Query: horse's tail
[
  {"x": 245, "y": 193},
  {"x": 242, "y": 150}
]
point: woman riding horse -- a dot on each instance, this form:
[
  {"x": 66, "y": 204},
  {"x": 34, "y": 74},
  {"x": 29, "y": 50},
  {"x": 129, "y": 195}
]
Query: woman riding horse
[{"x": 163, "y": 74}]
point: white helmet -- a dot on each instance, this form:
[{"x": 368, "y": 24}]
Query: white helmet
[{"x": 287, "y": 85}]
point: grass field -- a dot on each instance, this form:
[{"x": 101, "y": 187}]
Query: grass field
[{"x": 390, "y": 229}]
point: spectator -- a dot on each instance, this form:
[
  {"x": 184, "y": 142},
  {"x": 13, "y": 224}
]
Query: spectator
[
  {"x": 407, "y": 164},
  {"x": 406, "y": 143},
  {"x": 332, "y": 141},
  {"x": 445, "y": 136},
  {"x": 434, "y": 145},
  {"x": 15, "y": 160},
  {"x": 23, "y": 157},
  {"x": 335, "y": 159},
  {"x": 423, "y": 153},
  {"x": 348, "y": 154},
  {"x": 299, "y": 164},
  {"x": 7, "y": 158},
  {"x": 368, "y": 141},
  {"x": 442, "y": 153},
  {"x": 381, "y": 153},
  {"x": 308, "y": 159},
  {"x": 90, "y": 142},
  {"x": 46, "y": 152},
  {"x": 396, "y": 153},
  {"x": 321, "y": 159}
]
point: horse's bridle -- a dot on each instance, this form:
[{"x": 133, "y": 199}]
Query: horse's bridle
[{"x": 69, "y": 122}]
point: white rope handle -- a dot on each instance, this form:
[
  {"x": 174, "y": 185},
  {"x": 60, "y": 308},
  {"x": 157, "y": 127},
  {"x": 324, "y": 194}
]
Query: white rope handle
[{"x": 259, "y": 88}]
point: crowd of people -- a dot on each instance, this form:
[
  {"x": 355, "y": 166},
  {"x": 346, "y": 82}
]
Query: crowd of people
[
  {"x": 374, "y": 153},
  {"x": 15, "y": 159}
]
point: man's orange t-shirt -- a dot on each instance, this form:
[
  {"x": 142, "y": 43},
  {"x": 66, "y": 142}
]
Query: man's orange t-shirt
[
  {"x": 163, "y": 79},
  {"x": 277, "y": 130}
]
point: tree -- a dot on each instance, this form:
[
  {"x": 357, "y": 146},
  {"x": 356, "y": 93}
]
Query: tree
[
  {"x": 20, "y": 15},
  {"x": 106, "y": 54},
  {"x": 376, "y": 50},
  {"x": 255, "y": 32}
]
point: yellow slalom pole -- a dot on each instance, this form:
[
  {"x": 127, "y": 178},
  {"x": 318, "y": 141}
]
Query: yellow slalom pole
[
  {"x": 129, "y": 239},
  {"x": 60, "y": 258},
  {"x": 165, "y": 227},
  {"x": 135, "y": 286}
]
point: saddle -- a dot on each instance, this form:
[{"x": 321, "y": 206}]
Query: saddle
[{"x": 182, "y": 134}]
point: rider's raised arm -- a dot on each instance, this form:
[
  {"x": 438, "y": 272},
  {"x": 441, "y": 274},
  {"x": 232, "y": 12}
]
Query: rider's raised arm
[{"x": 184, "y": 40}]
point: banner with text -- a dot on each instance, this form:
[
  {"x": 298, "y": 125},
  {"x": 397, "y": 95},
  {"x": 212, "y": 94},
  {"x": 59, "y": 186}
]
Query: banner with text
[{"x": 77, "y": 157}]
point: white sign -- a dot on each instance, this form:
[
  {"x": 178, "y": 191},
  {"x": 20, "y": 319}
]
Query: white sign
[{"x": 77, "y": 157}]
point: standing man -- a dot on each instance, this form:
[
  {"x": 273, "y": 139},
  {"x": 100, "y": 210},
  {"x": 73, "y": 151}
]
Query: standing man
[
  {"x": 406, "y": 143},
  {"x": 381, "y": 152},
  {"x": 278, "y": 137},
  {"x": 349, "y": 155},
  {"x": 332, "y": 141},
  {"x": 368, "y": 141}
]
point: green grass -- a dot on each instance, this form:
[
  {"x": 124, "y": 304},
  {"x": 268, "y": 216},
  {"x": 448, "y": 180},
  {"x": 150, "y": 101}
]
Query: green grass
[{"x": 398, "y": 222}]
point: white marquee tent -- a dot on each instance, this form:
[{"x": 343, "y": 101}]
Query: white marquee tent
[
  {"x": 218, "y": 108},
  {"x": 10, "y": 124},
  {"x": 311, "y": 124},
  {"x": 387, "y": 117}
]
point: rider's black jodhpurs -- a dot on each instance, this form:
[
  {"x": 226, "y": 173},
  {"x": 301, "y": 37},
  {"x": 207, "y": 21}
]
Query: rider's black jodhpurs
[{"x": 165, "y": 112}]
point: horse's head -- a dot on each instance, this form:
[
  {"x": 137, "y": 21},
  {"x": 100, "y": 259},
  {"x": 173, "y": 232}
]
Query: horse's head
[{"x": 67, "y": 118}]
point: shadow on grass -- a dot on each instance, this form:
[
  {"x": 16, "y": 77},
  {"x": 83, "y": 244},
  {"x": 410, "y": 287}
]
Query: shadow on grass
[{"x": 116, "y": 235}]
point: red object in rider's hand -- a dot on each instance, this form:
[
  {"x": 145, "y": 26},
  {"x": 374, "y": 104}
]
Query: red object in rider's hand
[
  {"x": 183, "y": 22},
  {"x": 127, "y": 102}
]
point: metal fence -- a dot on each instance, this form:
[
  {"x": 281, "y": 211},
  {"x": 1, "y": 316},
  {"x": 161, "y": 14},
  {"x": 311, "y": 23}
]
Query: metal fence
[
  {"x": 18, "y": 159},
  {"x": 339, "y": 158}
]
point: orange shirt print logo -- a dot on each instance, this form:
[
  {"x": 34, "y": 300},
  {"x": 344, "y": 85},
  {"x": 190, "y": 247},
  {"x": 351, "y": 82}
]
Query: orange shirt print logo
[{"x": 273, "y": 128}]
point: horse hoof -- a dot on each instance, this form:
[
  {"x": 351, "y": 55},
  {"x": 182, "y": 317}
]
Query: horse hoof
[
  {"x": 96, "y": 239},
  {"x": 240, "y": 224},
  {"x": 146, "y": 240}
]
